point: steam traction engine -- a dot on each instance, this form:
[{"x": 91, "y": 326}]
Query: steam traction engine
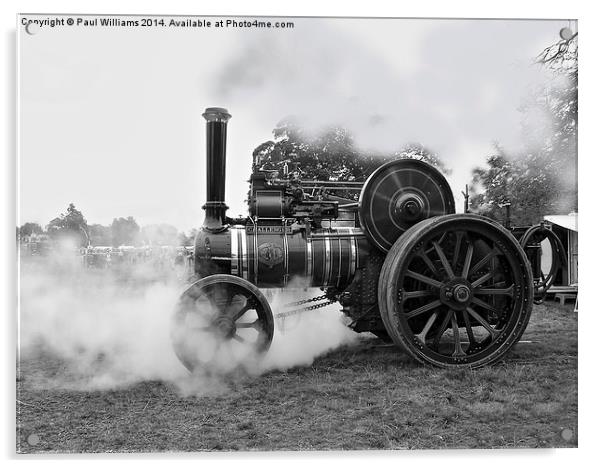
[{"x": 451, "y": 290}]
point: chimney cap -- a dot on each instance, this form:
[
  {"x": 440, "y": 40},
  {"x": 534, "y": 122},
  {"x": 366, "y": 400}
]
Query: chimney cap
[{"x": 216, "y": 114}]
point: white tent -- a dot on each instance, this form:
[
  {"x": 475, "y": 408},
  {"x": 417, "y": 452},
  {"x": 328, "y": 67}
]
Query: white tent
[
  {"x": 566, "y": 221},
  {"x": 565, "y": 227}
]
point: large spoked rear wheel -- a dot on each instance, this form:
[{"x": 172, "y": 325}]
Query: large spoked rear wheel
[
  {"x": 456, "y": 291},
  {"x": 220, "y": 321}
]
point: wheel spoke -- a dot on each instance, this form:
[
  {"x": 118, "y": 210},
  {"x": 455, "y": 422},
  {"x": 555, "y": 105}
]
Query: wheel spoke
[
  {"x": 484, "y": 305},
  {"x": 427, "y": 327},
  {"x": 494, "y": 253},
  {"x": 242, "y": 311},
  {"x": 254, "y": 324},
  {"x": 405, "y": 295},
  {"x": 458, "y": 351},
  {"x": 444, "y": 261},
  {"x": 509, "y": 291},
  {"x": 441, "y": 330},
  {"x": 428, "y": 262},
  {"x": 423, "y": 309},
  {"x": 467, "y": 260},
  {"x": 456, "y": 257},
  {"x": 494, "y": 333},
  {"x": 424, "y": 279},
  {"x": 468, "y": 327},
  {"x": 218, "y": 297},
  {"x": 482, "y": 279},
  {"x": 201, "y": 307},
  {"x": 239, "y": 338}
]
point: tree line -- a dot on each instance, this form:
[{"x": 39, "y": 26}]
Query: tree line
[
  {"x": 122, "y": 231},
  {"x": 541, "y": 179}
]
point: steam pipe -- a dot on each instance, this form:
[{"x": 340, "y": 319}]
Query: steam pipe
[{"x": 215, "y": 207}]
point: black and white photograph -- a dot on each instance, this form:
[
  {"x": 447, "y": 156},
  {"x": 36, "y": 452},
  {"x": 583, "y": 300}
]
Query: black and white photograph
[{"x": 295, "y": 233}]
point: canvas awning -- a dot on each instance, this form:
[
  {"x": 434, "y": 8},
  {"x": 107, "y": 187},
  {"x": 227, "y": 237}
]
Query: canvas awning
[{"x": 565, "y": 221}]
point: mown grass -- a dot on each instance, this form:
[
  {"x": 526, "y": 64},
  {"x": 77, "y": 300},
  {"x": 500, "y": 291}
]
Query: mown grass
[{"x": 363, "y": 396}]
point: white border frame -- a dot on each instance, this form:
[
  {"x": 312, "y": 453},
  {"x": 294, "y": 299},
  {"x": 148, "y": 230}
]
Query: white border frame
[{"x": 589, "y": 175}]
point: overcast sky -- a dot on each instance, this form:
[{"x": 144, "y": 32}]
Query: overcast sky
[{"x": 110, "y": 118}]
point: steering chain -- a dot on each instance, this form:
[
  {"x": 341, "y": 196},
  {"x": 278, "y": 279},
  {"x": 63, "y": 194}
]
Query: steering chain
[{"x": 327, "y": 302}]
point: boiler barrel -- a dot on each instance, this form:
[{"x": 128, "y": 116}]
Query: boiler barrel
[{"x": 269, "y": 257}]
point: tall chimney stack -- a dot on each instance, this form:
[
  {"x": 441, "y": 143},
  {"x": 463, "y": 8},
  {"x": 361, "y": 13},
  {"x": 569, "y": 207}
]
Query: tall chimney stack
[{"x": 215, "y": 207}]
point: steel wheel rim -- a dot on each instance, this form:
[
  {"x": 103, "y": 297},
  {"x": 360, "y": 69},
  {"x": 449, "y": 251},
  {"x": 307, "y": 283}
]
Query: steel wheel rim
[
  {"x": 237, "y": 314},
  {"x": 430, "y": 305},
  {"x": 545, "y": 280}
]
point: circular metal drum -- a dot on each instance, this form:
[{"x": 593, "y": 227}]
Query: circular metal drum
[{"x": 400, "y": 194}]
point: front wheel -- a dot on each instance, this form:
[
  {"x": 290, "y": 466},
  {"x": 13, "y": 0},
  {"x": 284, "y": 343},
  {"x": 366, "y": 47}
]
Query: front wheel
[
  {"x": 219, "y": 321},
  {"x": 456, "y": 291}
]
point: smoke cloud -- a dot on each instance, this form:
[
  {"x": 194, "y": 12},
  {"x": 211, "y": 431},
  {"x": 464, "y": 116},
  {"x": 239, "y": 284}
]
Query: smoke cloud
[
  {"x": 329, "y": 76},
  {"x": 110, "y": 331},
  {"x": 453, "y": 86}
]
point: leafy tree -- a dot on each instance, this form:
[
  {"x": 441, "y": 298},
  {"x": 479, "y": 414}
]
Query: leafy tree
[
  {"x": 124, "y": 231},
  {"x": 71, "y": 224},
  {"x": 561, "y": 103},
  {"x": 527, "y": 184},
  {"x": 28, "y": 229},
  {"x": 541, "y": 179},
  {"x": 100, "y": 235},
  {"x": 329, "y": 155}
]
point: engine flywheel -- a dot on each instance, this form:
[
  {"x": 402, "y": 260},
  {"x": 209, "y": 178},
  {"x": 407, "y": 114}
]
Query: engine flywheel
[{"x": 400, "y": 194}]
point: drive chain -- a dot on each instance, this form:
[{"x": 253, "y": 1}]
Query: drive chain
[{"x": 305, "y": 309}]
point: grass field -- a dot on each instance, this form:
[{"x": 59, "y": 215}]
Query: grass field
[{"x": 362, "y": 396}]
